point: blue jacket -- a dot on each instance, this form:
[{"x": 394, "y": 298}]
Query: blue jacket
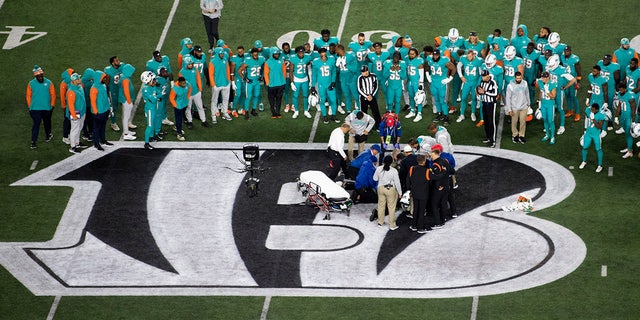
[{"x": 365, "y": 176}]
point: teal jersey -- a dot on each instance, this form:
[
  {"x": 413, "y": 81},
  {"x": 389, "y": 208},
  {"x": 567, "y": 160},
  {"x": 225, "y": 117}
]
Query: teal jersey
[
  {"x": 570, "y": 62},
  {"x": 394, "y": 77},
  {"x": 624, "y": 104},
  {"x": 511, "y": 67},
  {"x": 501, "y": 41},
  {"x": 608, "y": 71},
  {"x": 446, "y": 44},
  {"x": 319, "y": 43},
  {"x": 323, "y": 72},
  {"x": 361, "y": 51},
  {"x": 376, "y": 61},
  {"x": 254, "y": 67},
  {"x": 559, "y": 49},
  {"x": 545, "y": 89},
  {"x": 623, "y": 58},
  {"x": 237, "y": 62},
  {"x": 127, "y": 83},
  {"x": 80, "y": 105},
  {"x": 597, "y": 93},
  {"x": 590, "y": 127},
  {"x": 632, "y": 77},
  {"x": 540, "y": 42},
  {"x": 498, "y": 53},
  {"x": 100, "y": 91},
  {"x": 181, "y": 94},
  {"x": 114, "y": 77},
  {"x": 274, "y": 73},
  {"x": 520, "y": 42},
  {"x": 478, "y": 47},
  {"x": 219, "y": 73},
  {"x": 497, "y": 73},
  {"x": 41, "y": 94},
  {"x": 560, "y": 75},
  {"x": 154, "y": 66},
  {"x": 471, "y": 69},
  {"x": 413, "y": 69},
  {"x": 192, "y": 76},
  {"x": 348, "y": 66},
  {"x": 529, "y": 60},
  {"x": 199, "y": 64},
  {"x": 438, "y": 69},
  {"x": 164, "y": 86},
  {"x": 300, "y": 70},
  {"x": 150, "y": 95},
  {"x": 542, "y": 60}
]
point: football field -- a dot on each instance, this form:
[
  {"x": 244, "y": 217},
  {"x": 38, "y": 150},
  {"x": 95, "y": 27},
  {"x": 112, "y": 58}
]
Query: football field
[{"x": 598, "y": 209}]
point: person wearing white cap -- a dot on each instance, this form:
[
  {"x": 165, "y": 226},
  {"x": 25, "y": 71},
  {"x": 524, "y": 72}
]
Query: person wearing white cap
[
  {"x": 41, "y": 98},
  {"x": 623, "y": 56}
]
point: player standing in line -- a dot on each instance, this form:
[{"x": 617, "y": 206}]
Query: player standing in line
[
  {"x": 542, "y": 38},
  {"x": 87, "y": 83},
  {"x": 543, "y": 58},
  {"x": 598, "y": 91},
  {"x": 299, "y": 76},
  {"x": 633, "y": 79},
  {"x": 151, "y": 99},
  {"x": 115, "y": 72},
  {"x": 164, "y": 86},
  {"x": 565, "y": 80},
  {"x": 415, "y": 82},
  {"x": 626, "y": 107},
  {"x": 469, "y": 72},
  {"x": 238, "y": 87},
  {"x": 285, "y": 55},
  {"x": 75, "y": 111},
  {"x": 186, "y": 45},
  {"x": 361, "y": 49},
  {"x": 475, "y": 44},
  {"x": 439, "y": 73},
  {"x": 101, "y": 108},
  {"x": 572, "y": 62},
  {"x": 521, "y": 39},
  {"x": 530, "y": 56},
  {"x": 64, "y": 86},
  {"x": 158, "y": 61},
  {"x": 554, "y": 44},
  {"x": 394, "y": 73},
  {"x": 323, "y": 77},
  {"x": 347, "y": 66},
  {"x": 179, "y": 98},
  {"x": 611, "y": 71},
  {"x": 126, "y": 97},
  {"x": 251, "y": 73},
  {"x": 494, "y": 39},
  {"x": 512, "y": 64},
  {"x": 376, "y": 60},
  {"x": 623, "y": 56},
  {"x": 219, "y": 75},
  {"x": 593, "y": 122},
  {"x": 324, "y": 40},
  {"x": 548, "y": 91},
  {"x": 190, "y": 73},
  {"x": 274, "y": 79}
]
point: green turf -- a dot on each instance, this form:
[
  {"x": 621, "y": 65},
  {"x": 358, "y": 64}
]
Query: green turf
[{"x": 85, "y": 34}]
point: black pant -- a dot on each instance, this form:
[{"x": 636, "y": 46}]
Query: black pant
[
  {"x": 66, "y": 125},
  {"x": 439, "y": 208},
  {"x": 99, "y": 125},
  {"x": 211, "y": 26},
  {"x": 336, "y": 162},
  {"x": 274, "y": 95},
  {"x": 367, "y": 195},
  {"x": 373, "y": 104},
  {"x": 87, "y": 128},
  {"x": 488, "y": 113},
  {"x": 419, "y": 213},
  {"x": 179, "y": 115},
  {"x": 39, "y": 116}
]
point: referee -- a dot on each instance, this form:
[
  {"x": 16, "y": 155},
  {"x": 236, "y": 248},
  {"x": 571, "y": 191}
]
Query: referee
[
  {"x": 367, "y": 88},
  {"x": 488, "y": 91},
  {"x": 335, "y": 151}
]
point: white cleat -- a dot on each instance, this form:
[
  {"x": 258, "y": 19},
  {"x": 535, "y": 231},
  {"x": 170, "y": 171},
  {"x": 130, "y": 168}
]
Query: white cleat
[
  {"x": 561, "y": 130},
  {"x": 295, "y": 114},
  {"x": 582, "y": 165},
  {"x": 410, "y": 115},
  {"x": 625, "y": 150},
  {"x": 132, "y": 126},
  {"x": 638, "y": 144},
  {"x": 128, "y": 137},
  {"x": 165, "y": 121},
  {"x": 620, "y": 131},
  {"x": 460, "y": 118},
  {"x": 341, "y": 110},
  {"x": 627, "y": 155},
  {"x": 418, "y": 118},
  {"x": 307, "y": 114},
  {"x": 603, "y": 134},
  {"x": 599, "y": 168},
  {"x": 66, "y": 140},
  {"x": 473, "y": 117}
]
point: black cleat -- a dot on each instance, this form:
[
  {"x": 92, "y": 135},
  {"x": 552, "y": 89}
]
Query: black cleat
[{"x": 148, "y": 146}]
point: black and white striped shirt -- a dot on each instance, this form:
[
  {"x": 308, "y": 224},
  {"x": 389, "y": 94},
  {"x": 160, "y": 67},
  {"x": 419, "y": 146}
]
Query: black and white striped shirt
[
  {"x": 368, "y": 86},
  {"x": 490, "y": 91}
]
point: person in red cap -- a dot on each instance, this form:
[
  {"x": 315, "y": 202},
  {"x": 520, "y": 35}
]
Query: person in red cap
[
  {"x": 440, "y": 187},
  {"x": 390, "y": 132}
]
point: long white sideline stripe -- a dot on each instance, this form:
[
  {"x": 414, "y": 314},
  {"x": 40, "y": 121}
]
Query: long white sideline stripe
[
  {"x": 474, "y": 307},
  {"x": 265, "y": 308},
  {"x": 516, "y": 17},
  {"x": 54, "y": 307}
]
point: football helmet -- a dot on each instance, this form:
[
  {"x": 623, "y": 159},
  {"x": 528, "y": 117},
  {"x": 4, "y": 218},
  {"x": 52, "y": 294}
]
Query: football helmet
[
  {"x": 582, "y": 140},
  {"x": 538, "y": 114},
  {"x": 147, "y": 76},
  {"x": 607, "y": 113},
  {"x": 554, "y": 39},
  {"x": 420, "y": 97},
  {"x": 405, "y": 201},
  {"x": 509, "y": 53},
  {"x": 635, "y": 130},
  {"x": 553, "y": 62},
  {"x": 490, "y": 61},
  {"x": 313, "y": 99},
  {"x": 187, "y": 60},
  {"x": 453, "y": 34}
]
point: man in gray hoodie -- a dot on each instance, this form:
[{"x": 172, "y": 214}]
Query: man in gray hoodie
[{"x": 517, "y": 104}]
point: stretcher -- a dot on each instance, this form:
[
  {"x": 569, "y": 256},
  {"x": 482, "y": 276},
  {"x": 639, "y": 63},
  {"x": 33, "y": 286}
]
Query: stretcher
[{"x": 324, "y": 193}]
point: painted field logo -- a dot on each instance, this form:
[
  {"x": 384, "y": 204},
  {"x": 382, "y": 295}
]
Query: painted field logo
[{"x": 176, "y": 221}]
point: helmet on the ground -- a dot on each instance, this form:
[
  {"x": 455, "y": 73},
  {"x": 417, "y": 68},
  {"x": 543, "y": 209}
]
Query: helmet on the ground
[
  {"x": 313, "y": 100},
  {"x": 538, "y": 114},
  {"x": 420, "y": 97},
  {"x": 635, "y": 130}
]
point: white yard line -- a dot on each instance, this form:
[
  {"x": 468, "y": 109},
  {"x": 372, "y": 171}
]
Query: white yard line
[
  {"x": 54, "y": 306},
  {"x": 163, "y": 35},
  {"x": 603, "y": 271},
  {"x": 1, "y": 3},
  {"x": 34, "y": 164},
  {"x": 474, "y": 307},
  {"x": 343, "y": 20},
  {"x": 265, "y": 308}
]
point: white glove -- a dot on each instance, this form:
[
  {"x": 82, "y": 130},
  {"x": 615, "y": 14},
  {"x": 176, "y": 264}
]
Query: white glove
[
  {"x": 616, "y": 120},
  {"x": 605, "y": 105},
  {"x": 293, "y": 87},
  {"x": 233, "y": 85},
  {"x": 587, "y": 102},
  {"x": 110, "y": 112},
  {"x": 428, "y": 77},
  {"x": 447, "y": 80}
]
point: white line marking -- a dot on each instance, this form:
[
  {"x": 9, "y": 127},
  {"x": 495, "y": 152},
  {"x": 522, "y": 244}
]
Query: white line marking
[
  {"x": 265, "y": 308},
  {"x": 474, "y": 307},
  {"x": 34, "y": 164},
  {"x": 343, "y": 20},
  {"x": 500, "y": 125},
  {"x": 603, "y": 271},
  {"x": 516, "y": 17},
  {"x": 54, "y": 307},
  {"x": 1, "y": 3},
  {"x": 610, "y": 172},
  {"x": 167, "y": 24}
]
